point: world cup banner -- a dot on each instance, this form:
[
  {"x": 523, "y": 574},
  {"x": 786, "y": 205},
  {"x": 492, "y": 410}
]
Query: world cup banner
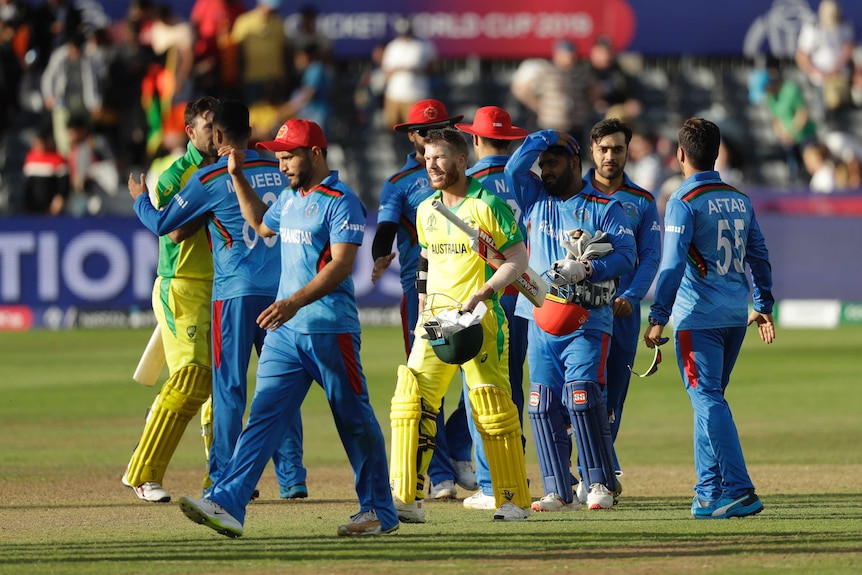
[{"x": 513, "y": 29}]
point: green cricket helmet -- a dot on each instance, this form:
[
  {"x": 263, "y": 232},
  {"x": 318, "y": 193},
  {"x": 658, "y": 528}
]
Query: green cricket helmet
[{"x": 455, "y": 348}]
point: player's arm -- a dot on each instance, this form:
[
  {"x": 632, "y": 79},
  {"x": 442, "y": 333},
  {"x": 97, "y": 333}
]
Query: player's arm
[
  {"x": 515, "y": 264},
  {"x": 523, "y": 183},
  {"x": 622, "y": 260},
  {"x": 183, "y": 232},
  {"x": 757, "y": 258},
  {"x": 327, "y": 279},
  {"x": 381, "y": 248},
  {"x": 181, "y": 210},
  {"x": 253, "y": 208},
  {"x": 648, "y": 245},
  {"x": 677, "y": 238}
]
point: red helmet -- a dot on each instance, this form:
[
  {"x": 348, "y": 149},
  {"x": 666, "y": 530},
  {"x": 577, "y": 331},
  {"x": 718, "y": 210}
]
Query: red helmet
[{"x": 557, "y": 316}]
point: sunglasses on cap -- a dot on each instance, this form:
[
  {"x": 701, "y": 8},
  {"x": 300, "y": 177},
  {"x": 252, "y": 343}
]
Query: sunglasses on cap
[
  {"x": 656, "y": 360},
  {"x": 421, "y": 131}
]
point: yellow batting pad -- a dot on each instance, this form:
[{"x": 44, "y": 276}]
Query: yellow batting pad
[
  {"x": 207, "y": 433},
  {"x": 496, "y": 418},
  {"x": 177, "y": 403},
  {"x": 412, "y": 445}
]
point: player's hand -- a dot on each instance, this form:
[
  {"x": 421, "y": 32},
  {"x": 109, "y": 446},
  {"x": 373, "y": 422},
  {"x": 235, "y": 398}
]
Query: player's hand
[
  {"x": 765, "y": 325},
  {"x": 572, "y": 271},
  {"x": 277, "y": 314},
  {"x": 136, "y": 188},
  {"x": 381, "y": 264},
  {"x": 652, "y": 336},
  {"x": 622, "y": 307},
  {"x": 568, "y": 141},
  {"x": 235, "y": 159}
]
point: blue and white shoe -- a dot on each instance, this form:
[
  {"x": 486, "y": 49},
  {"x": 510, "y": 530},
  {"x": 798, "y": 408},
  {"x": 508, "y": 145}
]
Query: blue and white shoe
[
  {"x": 298, "y": 491},
  {"x": 726, "y": 507}
]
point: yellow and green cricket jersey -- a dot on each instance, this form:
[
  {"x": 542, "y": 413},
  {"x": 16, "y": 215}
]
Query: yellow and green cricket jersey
[
  {"x": 191, "y": 258},
  {"x": 453, "y": 268}
]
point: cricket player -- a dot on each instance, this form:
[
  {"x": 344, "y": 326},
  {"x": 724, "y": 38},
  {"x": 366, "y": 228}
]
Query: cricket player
[
  {"x": 710, "y": 234},
  {"x": 314, "y": 333},
  {"x": 449, "y": 269},
  {"x": 609, "y": 141},
  {"x": 245, "y": 282},
  {"x": 492, "y": 133},
  {"x": 568, "y": 373},
  {"x": 396, "y": 218},
  {"x": 182, "y": 296}
]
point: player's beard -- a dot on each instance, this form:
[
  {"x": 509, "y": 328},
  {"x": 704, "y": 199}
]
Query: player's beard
[
  {"x": 301, "y": 177},
  {"x": 557, "y": 186},
  {"x": 610, "y": 171},
  {"x": 441, "y": 180}
]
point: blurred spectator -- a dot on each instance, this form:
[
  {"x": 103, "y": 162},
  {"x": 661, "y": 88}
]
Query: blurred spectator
[
  {"x": 611, "y": 89},
  {"x": 644, "y": 164},
  {"x": 726, "y": 164},
  {"x": 819, "y": 165},
  {"x": 791, "y": 120},
  {"x": 72, "y": 86},
  {"x": 368, "y": 95},
  {"x": 173, "y": 39},
  {"x": 302, "y": 29},
  {"x": 408, "y": 63},
  {"x": 215, "y": 54},
  {"x": 856, "y": 88},
  {"x": 824, "y": 53},
  {"x": 264, "y": 52},
  {"x": 92, "y": 171},
  {"x": 846, "y": 148},
  {"x": 46, "y": 176},
  {"x": 10, "y": 66},
  {"x": 556, "y": 91},
  {"x": 311, "y": 100}
]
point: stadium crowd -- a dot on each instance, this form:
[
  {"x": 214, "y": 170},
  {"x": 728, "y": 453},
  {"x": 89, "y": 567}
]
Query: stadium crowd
[{"x": 85, "y": 98}]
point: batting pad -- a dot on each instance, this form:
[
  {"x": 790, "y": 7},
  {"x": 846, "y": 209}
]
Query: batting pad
[
  {"x": 496, "y": 418},
  {"x": 589, "y": 415},
  {"x": 177, "y": 403},
  {"x": 207, "y": 433},
  {"x": 414, "y": 425},
  {"x": 553, "y": 445}
]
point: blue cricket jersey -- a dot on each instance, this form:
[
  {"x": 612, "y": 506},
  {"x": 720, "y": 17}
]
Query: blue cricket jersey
[
  {"x": 244, "y": 263},
  {"x": 710, "y": 233},
  {"x": 307, "y": 224},
  {"x": 548, "y": 218},
  {"x": 401, "y": 195},
  {"x": 640, "y": 209}
]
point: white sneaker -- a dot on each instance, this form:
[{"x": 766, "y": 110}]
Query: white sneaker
[
  {"x": 465, "y": 476},
  {"x": 150, "y": 491},
  {"x": 410, "y": 512},
  {"x": 511, "y": 512},
  {"x": 443, "y": 490},
  {"x": 481, "y": 502},
  {"x": 599, "y": 497},
  {"x": 363, "y": 523},
  {"x": 581, "y": 493},
  {"x": 553, "y": 502},
  {"x": 209, "y": 513}
]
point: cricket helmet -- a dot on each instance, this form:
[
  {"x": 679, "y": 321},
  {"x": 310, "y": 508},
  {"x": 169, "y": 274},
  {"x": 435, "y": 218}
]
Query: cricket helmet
[
  {"x": 458, "y": 347},
  {"x": 558, "y": 314}
]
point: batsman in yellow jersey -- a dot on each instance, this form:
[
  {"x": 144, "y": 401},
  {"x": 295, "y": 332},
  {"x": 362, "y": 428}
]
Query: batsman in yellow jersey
[
  {"x": 450, "y": 270},
  {"x": 182, "y": 299}
]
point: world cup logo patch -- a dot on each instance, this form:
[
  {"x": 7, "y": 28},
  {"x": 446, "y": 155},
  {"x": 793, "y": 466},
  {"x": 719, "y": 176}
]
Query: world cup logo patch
[{"x": 579, "y": 397}]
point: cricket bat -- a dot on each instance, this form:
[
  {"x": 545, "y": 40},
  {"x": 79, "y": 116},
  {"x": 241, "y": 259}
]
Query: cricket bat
[
  {"x": 152, "y": 360},
  {"x": 528, "y": 283}
]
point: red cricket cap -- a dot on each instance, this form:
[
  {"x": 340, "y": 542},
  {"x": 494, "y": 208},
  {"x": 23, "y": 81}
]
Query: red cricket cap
[
  {"x": 295, "y": 134},
  {"x": 427, "y": 113},
  {"x": 493, "y": 122}
]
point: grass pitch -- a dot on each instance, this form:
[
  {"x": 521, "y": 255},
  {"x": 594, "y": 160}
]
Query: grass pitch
[{"x": 70, "y": 415}]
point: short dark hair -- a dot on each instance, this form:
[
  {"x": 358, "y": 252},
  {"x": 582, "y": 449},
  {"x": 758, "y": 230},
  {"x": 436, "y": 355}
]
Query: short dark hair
[
  {"x": 700, "y": 140},
  {"x": 198, "y": 107},
  {"x": 610, "y": 126},
  {"x": 232, "y": 118},
  {"x": 448, "y": 135}
]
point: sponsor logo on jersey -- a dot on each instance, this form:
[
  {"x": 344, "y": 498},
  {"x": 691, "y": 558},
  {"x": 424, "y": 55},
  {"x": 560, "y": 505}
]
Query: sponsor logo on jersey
[
  {"x": 625, "y": 231},
  {"x": 346, "y": 225},
  {"x": 674, "y": 229},
  {"x": 655, "y": 227},
  {"x": 579, "y": 396}
]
